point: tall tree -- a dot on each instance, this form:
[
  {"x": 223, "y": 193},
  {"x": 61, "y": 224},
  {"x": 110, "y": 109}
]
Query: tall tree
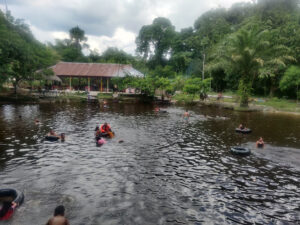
[
  {"x": 114, "y": 55},
  {"x": 20, "y": 53},
  {"x": 157, "y": 36},
  {"x": 77, "y": 36}
]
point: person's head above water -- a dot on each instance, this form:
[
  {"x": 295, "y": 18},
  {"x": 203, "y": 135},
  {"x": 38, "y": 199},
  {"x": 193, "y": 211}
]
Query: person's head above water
[
  {"x": 52, "y": 132},
  {"x": 59, "y": 211}
]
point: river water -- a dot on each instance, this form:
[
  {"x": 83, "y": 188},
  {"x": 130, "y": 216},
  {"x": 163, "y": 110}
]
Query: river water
[{"x": 167, "y": 170}]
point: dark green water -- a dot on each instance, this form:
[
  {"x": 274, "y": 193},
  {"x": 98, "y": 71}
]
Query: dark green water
[{"x": 167, "y": 170}]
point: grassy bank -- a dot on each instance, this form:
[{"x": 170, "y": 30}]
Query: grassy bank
[
  {"x": 105, "y": 96},
  {"x": 231, "y": 100},
  {"x": 7, "y": 97},
  {"x": 281, "y": 104}
]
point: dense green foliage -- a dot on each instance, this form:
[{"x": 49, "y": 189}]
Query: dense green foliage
[
  {"x": 20, "y": 53},
  {"x": 247, "y": 48},
  {"x": 291, "y": 79},
  {"x": 194, "y": 86},
  {"x": 250, "y": 54}
]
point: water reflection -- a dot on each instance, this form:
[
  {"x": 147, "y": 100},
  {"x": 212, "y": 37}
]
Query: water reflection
[{"x": 167, "y": 171}]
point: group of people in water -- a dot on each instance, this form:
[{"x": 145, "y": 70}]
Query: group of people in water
[
  {"x": 100, "y": 132},
  {"x": 53, "y": 134},
  {"x": 103, "y": 131}
]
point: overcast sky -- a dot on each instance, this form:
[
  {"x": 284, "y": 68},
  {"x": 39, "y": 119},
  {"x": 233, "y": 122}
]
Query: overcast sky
[{"x": 107, "y": 23}]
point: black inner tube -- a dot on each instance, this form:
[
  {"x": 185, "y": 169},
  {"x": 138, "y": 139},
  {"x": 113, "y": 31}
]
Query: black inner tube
[
  {"x": 244, "y": 131},
  {"x": 7, "y": 196},
  {"x": 240, "y": 150},
  {"x": 51, "y": 138}
]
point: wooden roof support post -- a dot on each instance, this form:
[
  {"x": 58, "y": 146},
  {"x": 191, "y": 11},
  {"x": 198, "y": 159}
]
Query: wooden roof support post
[
  {"x": 101, "y": 89},
  {"x": 89, "y": 84},
  {"x": 98, "y": 83},
  {"x": 70, "y": 83},
  {"x": 107, "y": 84}
]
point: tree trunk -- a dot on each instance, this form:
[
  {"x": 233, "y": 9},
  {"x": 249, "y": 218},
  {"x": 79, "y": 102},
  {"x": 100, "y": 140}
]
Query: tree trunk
[
  {"x": 297, "y": 93},
  {"x": 244, "y": 101},
  {"x": 272, "y": 88},
  {"x": 15, "y": 87},
  {"x": 244, "y": 90}
]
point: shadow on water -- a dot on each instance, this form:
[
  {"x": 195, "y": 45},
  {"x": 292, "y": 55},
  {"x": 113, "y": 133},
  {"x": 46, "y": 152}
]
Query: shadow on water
[{"x": 167, "y": 170}]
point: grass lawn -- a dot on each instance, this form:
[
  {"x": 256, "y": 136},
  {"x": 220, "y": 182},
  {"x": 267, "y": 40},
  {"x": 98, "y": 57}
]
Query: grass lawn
[
  {"x": 276, "y": 103},
  {"x": 185, "y": 98},
  {"x": 281, "y": 104},
  {"x": 105, "y": 95}
]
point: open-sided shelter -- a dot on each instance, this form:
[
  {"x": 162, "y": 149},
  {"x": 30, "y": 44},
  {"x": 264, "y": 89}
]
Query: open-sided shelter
[{"x": 97, "y": 75}]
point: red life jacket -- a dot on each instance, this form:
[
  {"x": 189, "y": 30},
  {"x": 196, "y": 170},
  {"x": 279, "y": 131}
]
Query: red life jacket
[{"x": 105, "y": 129}]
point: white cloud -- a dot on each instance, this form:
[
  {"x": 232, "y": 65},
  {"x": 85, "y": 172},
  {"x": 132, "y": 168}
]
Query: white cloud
[
  {"x": 48, "y": 36},
  {"x": 121, "y": 39}
]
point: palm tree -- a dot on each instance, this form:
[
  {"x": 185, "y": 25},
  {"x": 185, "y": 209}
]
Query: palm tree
[{"x": 249, "y": 53}]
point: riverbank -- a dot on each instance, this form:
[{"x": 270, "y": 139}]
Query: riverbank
[
  {"x": 231, "y": 101},
  {"x": 228, "y": 100},
  {"x": 63, "y": 97}
]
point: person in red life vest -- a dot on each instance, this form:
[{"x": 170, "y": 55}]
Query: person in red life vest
[{"x": 106, "y": 130}]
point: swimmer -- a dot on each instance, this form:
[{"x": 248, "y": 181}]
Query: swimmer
[
  {"x": 242, "y": 127},
  {"x": 260, "y": 143},
  {"x": 58, "y": 217},
  {"x": 186, "y": 115},
  {"x": 100, "y": 141},
  {"x": 52, "y": 133},
  {"x": 62, "y": 137}
]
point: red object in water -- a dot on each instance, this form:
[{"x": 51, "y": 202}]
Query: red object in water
[
  {"x": 8, "y": 215},
  {"x": 8, "y": 208}
]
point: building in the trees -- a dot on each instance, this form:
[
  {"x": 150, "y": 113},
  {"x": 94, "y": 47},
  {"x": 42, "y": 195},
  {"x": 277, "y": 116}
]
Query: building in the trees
[{"x": 92, "y": 76}]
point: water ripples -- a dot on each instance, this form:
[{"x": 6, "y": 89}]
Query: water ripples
[{"x": 166, "y": 171}]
